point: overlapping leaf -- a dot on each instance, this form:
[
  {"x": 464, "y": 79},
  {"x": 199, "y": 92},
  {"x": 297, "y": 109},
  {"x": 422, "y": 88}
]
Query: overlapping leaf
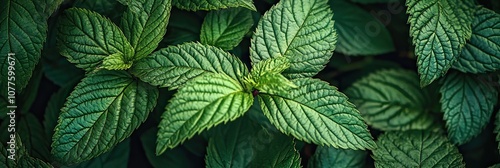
[
  {"x": 266, "y": 76},
  {"x": 226, "y": 28},
  {"x": 300, "y": 30},
  {"x": 102, "y": 111},
  {"x": 439, "y": 28},
  {"x": 195, "y": 5},
  {"x": 118, "y": 157},
  {"x": 333, "y": 157},
  {"x": 359, "y": 32},
  {"x": 145, "y": 28},
  {"x": 416, "y": 149},
  {"x": 22, "y": 32},
  {"x": 467, "y": 103},
  {"x": 316, "y": 112},
  {"x": 35, "y": 141},
  {"x": 202, "y": 103},
  {"x": 86, "y": 38},
  {"x": 173, "y": 66},
  {"x": 482, "y": 52},
  {"x": 392, "y": 100}
]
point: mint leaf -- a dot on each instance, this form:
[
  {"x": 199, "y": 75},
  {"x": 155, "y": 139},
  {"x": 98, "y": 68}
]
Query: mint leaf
[
  {"x": 5, "y": 161},
  {"x": 200, "y": 104},
  {"x": 316, "y": 112},
  {"x": 86, "y": 38},
  {"x": 22, "y": 32},
  {"x": 47, "y": 7},
  {"x": 195, "y": 5},
  {"x": 102, "y": 111},
  {"x": 174, "y": 65},
  {"x": 333, "y": 157},
  {"x": 145, "y": 27},
  {"x": 482, "y": 52},
  {"x": 56, "y": 102},
  {"x": 34, "y": 139},
  {"x": 440, "y": 28},
  {"x": 27, "y": 161},
  {"x": 416, "y": 149},
  {"x": 115, "y": 62},
  {"x": 117, "y": 157},
  {"x": 392, "y": 100},
  {"x": 374, "y": 1},
  {"x": 467, "y": 104},
  {"x": 354, "y": 36},
  {"x": 242, "y": 143},
  {"x": 266, "y": 76},
  {"x": 306, "y": 35},
  {"x": 226, "y": 28}
]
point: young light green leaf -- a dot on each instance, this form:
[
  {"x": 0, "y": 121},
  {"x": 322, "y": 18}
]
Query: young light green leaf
[
  {"x": 359, "y": 32},
  {"x": 392, "y": 100},
  {"x": 306, "y": 35},
  {"x": 146, "y": 27},
  {"x": 440, "y": 28},
  {"x": 482, "y": 52},
  {"x": 118, "y": 157},
  {"x": 195, "y": 5},
  {"x": 86, "y": 38},
  {"x": 325, "y": 157},
  {"x": 416, "y": 149},
  {"x": 115, "y": 62},
  {"x": 173, "y": 66},
  {"x": 266, "y": 76},
  {"x": 202, "y": 103},
  {"x": 226, "y": 28},
  {"x": 316, "y": 112},
  {"x": 34, "y": 139},
  {"x": 102, "y": 111},
  {"x": 22, "y": 33},
  {"x": 467, "y": 104}
]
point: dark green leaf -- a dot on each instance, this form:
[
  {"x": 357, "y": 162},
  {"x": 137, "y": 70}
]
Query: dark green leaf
[
  {"x": 226, "y": 28},
  {"x": 118, "y": 157},
  {"x": 333, "y": 157},
  {"x": 35, "y": 141}
]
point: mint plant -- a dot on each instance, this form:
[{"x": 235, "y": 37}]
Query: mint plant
[{"x": 241, "y": 83}]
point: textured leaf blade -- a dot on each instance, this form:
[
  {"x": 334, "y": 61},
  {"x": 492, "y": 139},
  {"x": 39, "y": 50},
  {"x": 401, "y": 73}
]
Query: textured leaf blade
[
  {"x": 355, "y": 31},
  {"x": 196, "y": 5},
  {"x": 333, "y": 157},
  {"x": 439, "y": 29},
  {"x": 173, "y": 66},
  {"x": 416, "y": 149},
  {"x": 102, "y": 111},
  {"x": 201, "y": 104},
  {"x": 266, "y": 76},
  {"x": 145, "y": 27},
  {"x": 115, "y": 62},
  {"x": 85, "y": 38},
  {"x": 392, "y": 100},
  {"x": 27, "y": 161},
  {"x": 482, "y": 52},
  {"x": 467, "y": 104},
  {"x": 306, "y": 36},
  {"x": 22, "y": 32},
  {"x": 226, "y": 28},
  {"x": 34, "y": 139},
  {"x": 276, "y": 150},
  {"x": 316, "y": 112}
]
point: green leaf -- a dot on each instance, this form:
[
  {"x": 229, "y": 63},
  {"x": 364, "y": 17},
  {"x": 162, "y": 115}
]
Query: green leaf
[
  {"x": 111, "y": 9},
  {"x": 467, "y": 104},
  {"x": 242, "y": 143},
  {"x": 182, "y": 29},
  {"x": 5, "y": 161},
  {"x": 416, "y": 149},
  {"x": 333, "y": 157},
  {"x": 118, "y": 157},
  {"x": 440, "y": 28},
  {"x": 102, "y": 111},
  {"x": 482, "y": 52},
  {"x": 266, "y": 76},
  {"x": 374, "y": 1},
  {"x": 53, "y": 109},
  {"x": 86, "y": 38},
  {"x": 115, "y": 62},
  {"x": 392, "y": 100},
  {"x": 47, "y": 7},
  {"x": 200, "y": 104},
  {"x": 27, "y": 161},
  {"x": 356, "y": 34},
  {"x": 146, "y": 27},
  {"x": 316, "y": 112},
  {"x": 174, "y": 65},
  {"x": 35, "y": 140},
  {"x": 22, "y": 32},
  {"x": 195, "y": 5},
  {"x": 226, "y": 28},
  {"x": 305, "y": 35},
  {"x": 178, "y": 157}
]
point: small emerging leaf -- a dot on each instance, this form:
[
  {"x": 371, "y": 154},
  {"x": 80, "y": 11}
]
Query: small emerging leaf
[
  {"x": 266, "y": 76},
  {"x": 200, "y": 104},
  {"x": 115, "y": 62}
]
